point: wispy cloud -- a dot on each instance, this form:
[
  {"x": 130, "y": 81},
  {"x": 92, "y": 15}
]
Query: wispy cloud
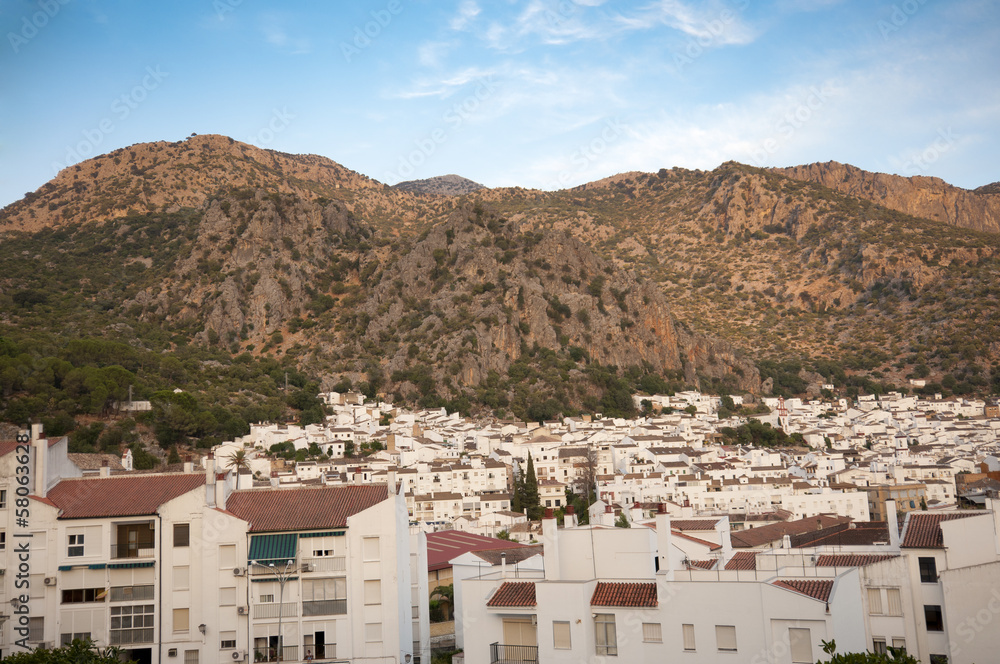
[
  {"x": 276, "y": 35},
  {"x": 468, "y": 10}
]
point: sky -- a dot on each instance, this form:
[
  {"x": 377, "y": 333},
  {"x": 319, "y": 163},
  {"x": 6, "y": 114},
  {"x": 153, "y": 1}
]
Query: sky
[{"x": 535, "y": 93}]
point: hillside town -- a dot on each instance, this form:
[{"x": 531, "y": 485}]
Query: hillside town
[{"x": 389, "y": 535}]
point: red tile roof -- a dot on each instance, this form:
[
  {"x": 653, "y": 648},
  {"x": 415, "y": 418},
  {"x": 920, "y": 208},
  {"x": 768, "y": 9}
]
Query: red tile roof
[
  {"x": 624, "y": 594},
  {"x": 132, "y": 495},
  {"x": 813, "y": 588},
  {"x": 312, "y": 508},
  {"x": 923, "y": 531},
  {"x": 852, "y": 559},
  {"x": 693, "y": 524},
  {"x": 743, "y": 560},
  {"x": 511, "y": 593},
  {"x": 755, "y": 537},
  {"x": 702, "y": 564},
  {"x": 447, "y": 544}
]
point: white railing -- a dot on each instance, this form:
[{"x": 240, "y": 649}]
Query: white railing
[
  {"x": 327, "y": 564},
  {"x": 270, "y": 610}
]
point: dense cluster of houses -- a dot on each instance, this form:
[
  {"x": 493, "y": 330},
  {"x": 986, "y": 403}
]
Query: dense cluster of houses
[{"x": 882, "y": 530}]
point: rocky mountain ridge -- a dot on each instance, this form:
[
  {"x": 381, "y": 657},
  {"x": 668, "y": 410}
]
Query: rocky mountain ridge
[{"x": 442, "y": 185}]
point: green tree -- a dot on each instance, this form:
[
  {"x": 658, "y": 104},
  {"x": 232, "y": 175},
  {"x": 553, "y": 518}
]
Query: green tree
[
  {"x": 622, "y": 521},
  {"x": 530, "y": 498},
  {"x": 78, "y": 652},
  {"x": 893, "y": 656}
]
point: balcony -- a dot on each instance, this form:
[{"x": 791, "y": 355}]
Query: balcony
[
  {"x": 270, "y": 654},
  {"x": 504, "y": 654},
  {"x": 326, "y": 607},
  {"x": 272, "y": 609},
  {"x": 133, "y": 550},
  {"x": 326, "y": 564}
]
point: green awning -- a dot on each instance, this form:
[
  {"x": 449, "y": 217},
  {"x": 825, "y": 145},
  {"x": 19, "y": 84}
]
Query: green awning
[
  {"x": 331, "y": 533},
  {"x": 130, "y": 565},
  {"x": 101, "y": 566},
  {"x": 277, "y": 549}
]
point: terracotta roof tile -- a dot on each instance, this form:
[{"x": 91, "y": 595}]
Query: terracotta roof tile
[
  {"x": 693, "y": 524},
  {"x": 812, "y": 587},
  {"x": 754, "y": 537},
  {"x": 311, "y": 508},
  {"x": 743, "y": 560},
  {"x": 510, "y": 593},
  {"x": 702, "y": 564},
  {"x": 624, "y": 594},
  {"x": 447, "y": 544},
  {"x": 514, "y": 555},
  {"x": 132, "y": 495},
  {"x": 923, "y": 531},
  {"x": 852, "y": 559}
]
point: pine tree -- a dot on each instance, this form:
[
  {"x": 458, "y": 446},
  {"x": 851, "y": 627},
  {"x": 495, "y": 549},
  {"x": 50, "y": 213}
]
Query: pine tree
[{"x": 530, "y": 498}]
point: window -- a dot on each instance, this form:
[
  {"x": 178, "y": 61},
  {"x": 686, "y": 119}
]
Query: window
[
  {"x": 267, "y": 599},
  {"x": 878, "y": 645},
  {"x": 560, "y": 635},
  {"x": 36, "y": 629},
  {"x": 688, "y": 631},
  {"x": 182, "y": 577},
  {"x": 67, "y": 639},
  {"x": 928, "y": 570},
  {"x": 131, "y": 624},
  {"x": 227, "y": 556},
  {"x": 874, "y": 601},
  {"x": 227, "y": 596},
  {"x": 3, "y": 540},
  {"x": 182, "y": 534},
  {"x": 800, "y": 644},
  {"x": 322, "y": 553},
  {"x": 3, "y": 499},
  {"x": 81, "y": 595},
  {"x": 900, "y": 645},
  {"x": 182, "y": 618},
  {"x": 75, "y": 546},
  {"x": 325, "y": 597},
  {"x": 725, "y": 638},
  {"x": 373, "y": 632},
  {"x": 227, "y": 640},
  {"x": 373, "y": 592},
  {"x": 933, "y": 618},
  {"x": 652, "y": 633},
  {"x": 369, "y": 548},
  {"x": 131, "y": 593},
  {"x": 190, "y": 657},
  {"x": 894, "y": 602},
  {"x": 607, "y": 637}
]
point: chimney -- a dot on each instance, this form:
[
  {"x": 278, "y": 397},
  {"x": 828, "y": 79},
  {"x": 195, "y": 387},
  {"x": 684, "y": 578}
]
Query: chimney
[
  {"x": 39, "y": 446},
  {"x": 210, "y": 480},
  {"x": 391, "y": 479},
  {"x": 550, "y": 546},
  {"x": 274, "y": 479},
  {"x": 892, "y": 521},
  {"x": 663, "y": 542},
  {"x": 503, "y": 564},
  {"x": 105, "y": 468},
  {"x": 608, "y": 518},
  {"x": 569, "y": 521},
  {"x": 188, "y": 467},
  {"x": 786, "y": 542}
]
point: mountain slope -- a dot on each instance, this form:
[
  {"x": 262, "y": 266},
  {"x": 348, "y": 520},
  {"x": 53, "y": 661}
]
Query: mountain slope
[
  {"x": 927, "y": 197},
  {"x": 442, "y": 185}
]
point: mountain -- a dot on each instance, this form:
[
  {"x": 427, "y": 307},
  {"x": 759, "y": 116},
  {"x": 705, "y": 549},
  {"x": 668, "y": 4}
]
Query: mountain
[
  {"x": 247, "y": 264},
  {"x": 442, "y": 185},
  {"x": 927, "y": 197}
]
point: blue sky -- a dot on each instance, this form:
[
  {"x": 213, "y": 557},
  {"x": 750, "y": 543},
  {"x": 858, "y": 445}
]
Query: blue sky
[{"x": 535, "y": 93}]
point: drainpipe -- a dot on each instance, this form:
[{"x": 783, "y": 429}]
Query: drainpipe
[{"x": 159, "y": 590}]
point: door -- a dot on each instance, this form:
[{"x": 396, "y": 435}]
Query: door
[{"x": 520, "y": 642}]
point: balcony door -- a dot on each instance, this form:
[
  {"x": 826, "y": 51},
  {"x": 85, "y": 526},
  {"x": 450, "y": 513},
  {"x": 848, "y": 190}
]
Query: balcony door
[{"x": 519, "y": 632}]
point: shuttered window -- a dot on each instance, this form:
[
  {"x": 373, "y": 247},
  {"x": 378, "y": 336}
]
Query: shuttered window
[
  {"x": 652, "y": 633},
  {"x": 560, "y": 635},
  {"x": 800, "y": 644},
  {"x": 688, "y": 637},
  {"x": 875, "y": 601},
  {"x": 894, "y": 602},
  {"x": 725, "y": 637}
]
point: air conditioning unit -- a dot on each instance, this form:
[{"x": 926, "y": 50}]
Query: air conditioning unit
[
  {"x": 306, "y": 567},
  {"x": 239, "y": 571},
  {"x": 238, "y": 655},
  {"x": 172, "y": 652},
  {"x": 50, "y": 580},
  {"x": 241, "y": 610}
]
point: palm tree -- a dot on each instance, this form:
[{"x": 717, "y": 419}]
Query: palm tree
[
  {"x": 238, "y": 461},
  {"x": 445, "y": 596}
]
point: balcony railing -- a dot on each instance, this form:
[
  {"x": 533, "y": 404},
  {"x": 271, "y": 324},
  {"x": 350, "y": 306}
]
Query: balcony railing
[
  {"x": 270, "y": 610},
  {"x": 327, "y": 564},
  {"x": 121, "y": 637},
  {"x": 270, "y": 654},
  {"x": 328, "y": 651},
  {"x": 123, "y": 551},
  {"x": 325, "y": 607},
  {"x": 504, "y": 654}
]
